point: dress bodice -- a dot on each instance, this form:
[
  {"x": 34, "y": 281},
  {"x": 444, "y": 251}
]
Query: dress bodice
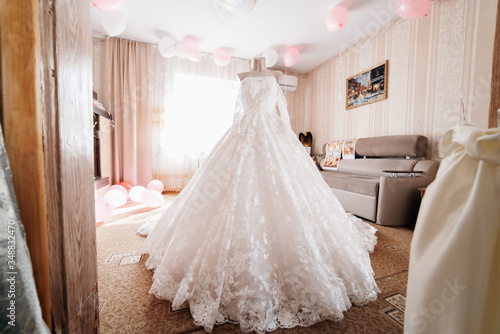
[{"x": 259, "y": 94}]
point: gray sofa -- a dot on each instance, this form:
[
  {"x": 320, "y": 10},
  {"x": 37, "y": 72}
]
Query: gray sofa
[{"x": 381, "y": 184}]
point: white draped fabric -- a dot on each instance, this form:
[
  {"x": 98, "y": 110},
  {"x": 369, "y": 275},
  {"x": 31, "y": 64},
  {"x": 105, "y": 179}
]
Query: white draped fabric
[
  {"x": 193, "y": 105},
  {"x": 454, "y": 276}
]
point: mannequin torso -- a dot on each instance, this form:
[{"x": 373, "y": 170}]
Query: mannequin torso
[{"x": 259, "y": 69}]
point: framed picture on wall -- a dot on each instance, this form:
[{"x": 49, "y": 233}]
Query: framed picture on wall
[{"x": 368, "y": 86}]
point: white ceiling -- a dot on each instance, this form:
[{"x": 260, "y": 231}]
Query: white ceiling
[{"x": 276, "y": 24}]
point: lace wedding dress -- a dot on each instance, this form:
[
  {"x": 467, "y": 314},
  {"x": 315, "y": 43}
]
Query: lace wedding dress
[{"x": 257, "y": 237}]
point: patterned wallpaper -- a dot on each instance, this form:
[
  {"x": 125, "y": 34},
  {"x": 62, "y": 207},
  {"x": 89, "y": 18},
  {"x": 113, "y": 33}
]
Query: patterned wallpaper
[{"x": 436, "y": 65}]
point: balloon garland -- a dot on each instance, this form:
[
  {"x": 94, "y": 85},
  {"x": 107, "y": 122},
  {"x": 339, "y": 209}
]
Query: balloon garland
[{"x": 119, "y": 194}]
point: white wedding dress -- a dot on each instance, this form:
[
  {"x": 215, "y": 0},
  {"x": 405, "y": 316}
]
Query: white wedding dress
[{"x": 257, "y": 237}]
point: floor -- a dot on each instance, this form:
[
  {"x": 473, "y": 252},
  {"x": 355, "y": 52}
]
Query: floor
[{"x": 126, "y": 306}]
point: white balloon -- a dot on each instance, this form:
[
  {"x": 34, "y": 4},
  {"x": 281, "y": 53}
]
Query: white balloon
[
  {"x": 113, "y": 22},
  {"x": 222, "y": 57},
  {"x": 116, "y": 197},
  {"x": 180, "y": 51},
  {"x": 271, "y": 56},
  {"x": 136, "y": 193},
  {"x": 156, "y": 185},
  {"x": 121, "y": 188},
  {"x": 153, "y": 199},
  {"x": 166, "y": 47}
]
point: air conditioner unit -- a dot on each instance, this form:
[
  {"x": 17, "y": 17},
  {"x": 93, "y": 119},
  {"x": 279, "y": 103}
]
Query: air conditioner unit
[{"x": 288, "y": 83}]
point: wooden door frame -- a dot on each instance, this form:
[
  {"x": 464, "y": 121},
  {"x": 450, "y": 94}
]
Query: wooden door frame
[
  {"x": 47, "y": 98},
  {"x": 495, "y": 77}
]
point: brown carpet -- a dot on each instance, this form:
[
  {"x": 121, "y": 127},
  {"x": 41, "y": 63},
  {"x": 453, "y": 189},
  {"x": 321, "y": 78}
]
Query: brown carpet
[{"x": 127, "y": 307}]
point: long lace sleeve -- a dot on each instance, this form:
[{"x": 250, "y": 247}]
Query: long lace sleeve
[
  {"x": 238, "y": 107},
  {"x": 238, "y": 111},
  {"x": 282, "y": 106}
]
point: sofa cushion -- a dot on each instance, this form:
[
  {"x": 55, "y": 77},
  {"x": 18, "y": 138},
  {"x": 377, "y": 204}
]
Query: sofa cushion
[
  {"x": 353, "y": 183},
  {"x": 374, "y": 167},
  {"x": 414, "y": 146}
]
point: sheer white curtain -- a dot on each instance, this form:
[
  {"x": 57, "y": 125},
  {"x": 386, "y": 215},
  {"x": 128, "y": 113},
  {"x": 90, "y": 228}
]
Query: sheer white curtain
[{"x": 193, "y": 105}]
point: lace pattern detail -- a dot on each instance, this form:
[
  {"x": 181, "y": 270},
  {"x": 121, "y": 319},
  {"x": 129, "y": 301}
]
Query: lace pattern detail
[{"x": 257, "y": 237}]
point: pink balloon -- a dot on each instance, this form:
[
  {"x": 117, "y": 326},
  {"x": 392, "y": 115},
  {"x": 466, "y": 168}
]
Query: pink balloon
[
  {"x": 155, "y": 185},
  {"x": 291, "y": 56},
  {"x": 191, "y": 49},
  {"x": 121, "y": 188},
  {"x": 108, "y": 5},
  {"x": 412, "y": 9},
  {"x": 222, "y": 57},
  {"x": 103, "y": 209},
  {"x": 337, "y": 19},
  {"x": 153, "y": 199},
  {"x": 126, "y": 185}
]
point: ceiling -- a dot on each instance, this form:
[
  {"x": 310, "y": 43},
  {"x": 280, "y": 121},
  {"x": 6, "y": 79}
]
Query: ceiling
[{"x": 276, "y": 24}]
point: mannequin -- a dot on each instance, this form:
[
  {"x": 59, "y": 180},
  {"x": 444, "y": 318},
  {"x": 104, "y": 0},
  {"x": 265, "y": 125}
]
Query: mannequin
[{"x": 259, "y": 69}]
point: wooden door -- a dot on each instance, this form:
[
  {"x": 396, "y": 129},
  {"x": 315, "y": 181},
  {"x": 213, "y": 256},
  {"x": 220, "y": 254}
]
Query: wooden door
[{"x": 67, "y": 107}]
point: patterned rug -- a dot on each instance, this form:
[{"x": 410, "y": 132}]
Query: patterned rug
[{"x": 127, "y": 307}]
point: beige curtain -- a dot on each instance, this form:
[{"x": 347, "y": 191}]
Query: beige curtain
[{"x": 127, "y": 84}]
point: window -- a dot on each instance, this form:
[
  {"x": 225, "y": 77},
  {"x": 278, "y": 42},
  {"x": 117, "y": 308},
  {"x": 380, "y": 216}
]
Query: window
[{"x": 198, "y": 114}]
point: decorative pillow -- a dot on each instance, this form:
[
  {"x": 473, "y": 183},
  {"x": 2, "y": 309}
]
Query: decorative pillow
[
  {"x": 333, "y": 154},
  {"x": 349, "y": 149}
]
